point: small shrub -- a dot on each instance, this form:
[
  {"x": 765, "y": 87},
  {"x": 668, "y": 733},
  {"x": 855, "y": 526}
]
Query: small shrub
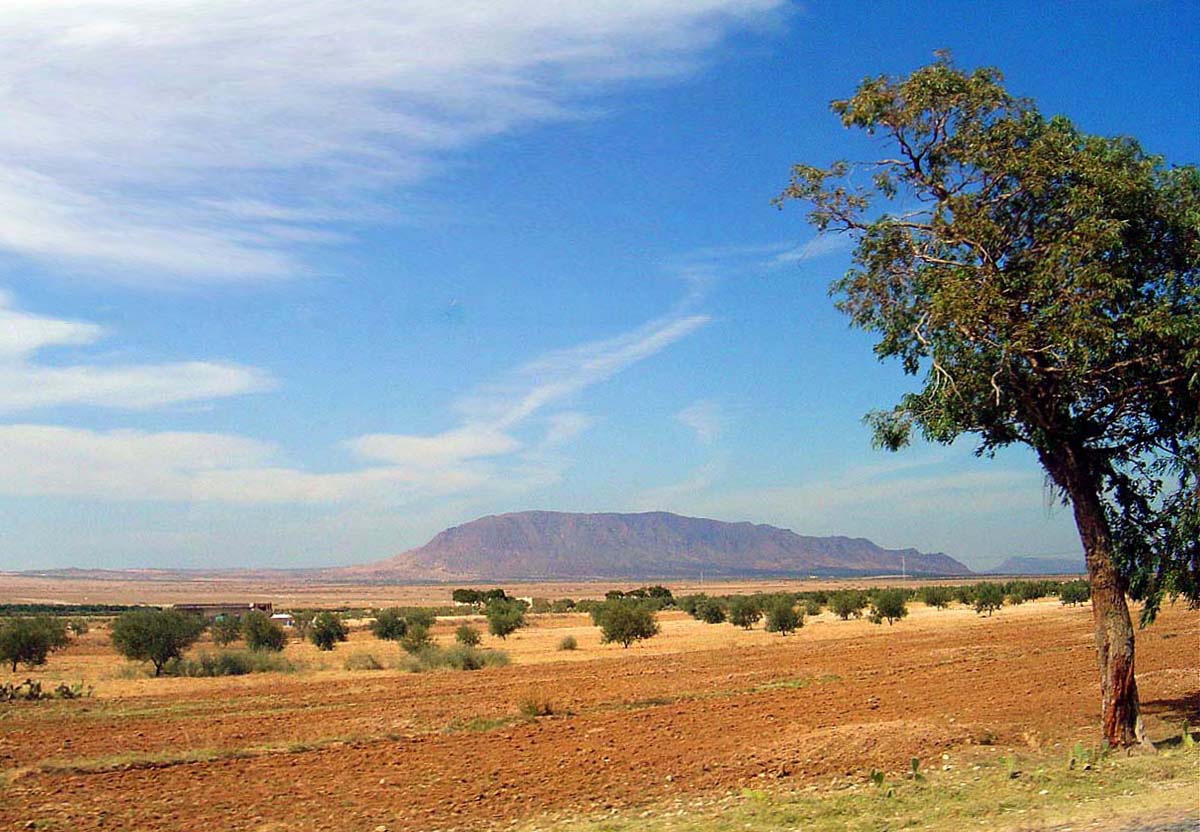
[
  {"x": 262, "y": 633},
  {"x": 889, "y": 605},
  {"x": 533, "y": 707},
  {"x": 744, "y": 612},
  {"x": 362, "y": 661},
  {"x": 710, "y": 611},
  {"x": 989, "y": 597},
  {"x": 467, "y": 636},
  {"x": 78, "y": 626},
  {"x": 568, "y": 643},
  {"x": 326, "y": 630},
  {"x": 505, "y": 617},
  {"x": 783, "y": 617},
  {"x": 228, "y": 663},
  {"x": 459, "y": 657}
]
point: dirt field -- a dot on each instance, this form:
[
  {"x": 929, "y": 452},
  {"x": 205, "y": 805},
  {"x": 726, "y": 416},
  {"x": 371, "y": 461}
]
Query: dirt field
[{"x": 699, "y": 710}]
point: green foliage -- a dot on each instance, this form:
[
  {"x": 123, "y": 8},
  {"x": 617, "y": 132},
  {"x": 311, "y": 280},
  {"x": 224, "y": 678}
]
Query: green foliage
[
  {"x": 225, "y": 630},
  {"x": 78, "y": 626},
  {"x": 154, "y": 635},
  {"x": 416, "y": 638},
  {"x": 1074, "y": 593},
  {"x": 30, "y": 641},
  {"x": 709, "y": 610},
  {"x": 783, "y": 617},
  {"x": 326, "y": 630},
  {"x": 228, "y": 663},
  {"x": 744, "y": 612},
  {"x": 420, "y": 617},
  {"x": 562, "y": 605},
  {"x": 1046, "y": 284},
  {"x": 459, "y": 657},
  {"x": 935, "y": 596},
  {"x": 505, "y": 617},
  {"x": 889, "y": 605},
  {"x": 389, "y": 624},
  {"x": 624, "y": 621},
  {"x": 262, "y": 633},
  {"x": 989, "y": 597},
  {"x": 568, "y": 643},
  {"x": 467, "y": 635},
  {"x": 848, "y": 602}
]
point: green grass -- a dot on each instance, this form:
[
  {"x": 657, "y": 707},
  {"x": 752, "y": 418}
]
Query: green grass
[{"x": 1045, "y": 791}]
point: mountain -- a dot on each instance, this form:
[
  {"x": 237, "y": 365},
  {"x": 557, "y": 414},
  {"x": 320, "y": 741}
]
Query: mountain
[
  {"x": 553, "y": 545},
  {"x": 1039, "y": 566}
]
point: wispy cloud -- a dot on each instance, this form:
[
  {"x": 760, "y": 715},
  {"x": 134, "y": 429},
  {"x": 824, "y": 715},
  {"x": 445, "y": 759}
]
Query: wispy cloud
[
  {"x": 207, "y": 139},
  {"x": 704, "y": 418},
  {"x": 822, "y": 245},
  {"x": 509, "y": 440},
  {"x": 27, "y": 384}
]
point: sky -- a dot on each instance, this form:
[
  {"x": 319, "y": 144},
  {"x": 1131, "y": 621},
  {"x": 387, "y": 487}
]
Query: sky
[{"x": 303, "y": 283}]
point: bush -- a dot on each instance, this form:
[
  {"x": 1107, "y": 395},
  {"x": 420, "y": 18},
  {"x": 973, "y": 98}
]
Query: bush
[
  {"x": 227, "y": 663},
  {"x": 783, "y": 617},
  {"x": 30, "y": 640},
  {"x": 467, "y": 636},
  {"x": 327, "y": 630},
  {"x": 505, "y": 617},
  {"x": 225, "y": 630},
  {"x": 889, "y": 605},
  {"x": 262, "y": 633},
  {"x": 812, "y": 606},
  {"x": 389, "y": 625},
  {"x": 935, "y": 596},
  {"x": 420, "y": 617},
  {"x": 459, "y": 657},
  {"x": 568, "y": 643},
  {"x": 710, "y": 611},
  {"x": 744, "y": 612},
  {"x": 848, "y": 602},
  {"x": 989, "y": 597},
  {"x": 362, "y": 661},
  {"x": 626, "y": 621},
  {"x": 563, "y": 605},
  {"x": 78, "y": 626},
  {"x": 416, "y": 639},
  {"x": 155, "y": 636},
  {"x": 965, "y": 594},
  {"x": 1075, "y": 592}
]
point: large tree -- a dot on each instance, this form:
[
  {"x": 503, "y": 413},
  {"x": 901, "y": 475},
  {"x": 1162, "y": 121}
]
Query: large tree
[{"x": 1044, "y": 284}]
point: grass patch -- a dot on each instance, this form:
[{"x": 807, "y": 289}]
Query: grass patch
[
  {"x": 362, "y": 661},
  {"x": 229, "y": 663},
  {"x": 459, "y": 657},
  {"x": 1046, "y": 792},
  {"x": 799, "y": 683}
]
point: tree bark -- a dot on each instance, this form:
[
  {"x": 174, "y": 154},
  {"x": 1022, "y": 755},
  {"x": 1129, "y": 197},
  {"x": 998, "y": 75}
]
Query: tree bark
[{"x": 1119, "y": 709}]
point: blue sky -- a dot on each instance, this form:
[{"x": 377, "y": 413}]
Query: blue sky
[{"x": 303, "y": 283}]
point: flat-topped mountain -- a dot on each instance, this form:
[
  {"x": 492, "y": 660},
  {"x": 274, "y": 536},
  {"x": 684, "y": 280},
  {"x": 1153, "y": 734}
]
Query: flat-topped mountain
[
  {"x": 1039, "y": 566},
  {"x": 554, "y": 545}
]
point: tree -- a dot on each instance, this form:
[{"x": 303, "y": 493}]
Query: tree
[
  {"x": 1074, "y": 592},
  {"x": 889, "y": 605},
  {"x": 225, "y": 630},
  {"x": 416, "y": 638},
  {"x": 262, "y": 633},
  {"x": 326, "y": 630},
  {"x": 78, "y": 626},
  {"x": 935, "y": 596},
  {"x": 625, "y": 621},
  {"x": 847, "y": 602},
  {"x": 467, "y": 636},
  {"x": 389, "y": 625},
  {"x": 505, "y": 617},
  {"x": 155, "y": 636},
  {"x": 989, "y": 597},
  {"x": 783, "y": 617},
  {"x": 744, "y": 612},
  {"x": 466, "y": 596},
  {"x": 30, "y": 641},
  {"x": 1046, "y": 282},
  {"x": 710, "y": 611}
]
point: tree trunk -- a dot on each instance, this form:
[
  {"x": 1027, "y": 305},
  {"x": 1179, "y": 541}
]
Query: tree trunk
[{"x": 1119, "y": 712}]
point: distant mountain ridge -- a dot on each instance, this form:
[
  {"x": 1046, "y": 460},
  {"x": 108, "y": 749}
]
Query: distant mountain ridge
[
  {"x": 554, "y": 545},
  {"x": 1025, "y": 565}
]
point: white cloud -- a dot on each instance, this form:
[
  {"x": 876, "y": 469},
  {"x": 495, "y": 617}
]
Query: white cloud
[
  {"x": 26, "y": 384},
  {"x": 822, "y": 245},
  {"x": 704, "y": 418},
  {"x": 481, "y": 457},
  {"x": 205, "y": 138}
]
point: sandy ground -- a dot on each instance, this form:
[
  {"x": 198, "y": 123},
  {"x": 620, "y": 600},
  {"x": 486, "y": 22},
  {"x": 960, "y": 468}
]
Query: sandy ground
[{"x": 699, "y": 709}]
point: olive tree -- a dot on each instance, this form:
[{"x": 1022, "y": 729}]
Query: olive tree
[
  {"x": 888, "y": 605},
  {"x": 783, "y": 617},
  {"x": 30, "y": 640},
  {"x": 262, "y": 633},
  {"x": 744, "y": 612},
  {"x": 624, "y": 621},
  {"x": 389, "y": 625},
  {"x": 505, "y": 617},
  {"x": 154, "y": 635},
  {"x": 989, "y": 597},
  {"x": 1045, "y": 283},
  {"x": 326, "y": 630}
]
